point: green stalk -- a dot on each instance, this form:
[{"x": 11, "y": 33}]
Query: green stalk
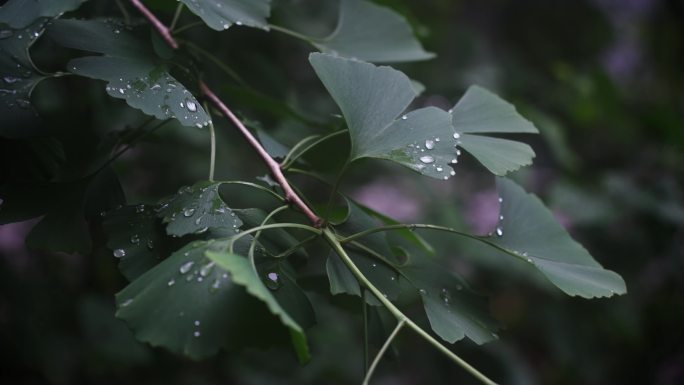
[
  {"x": 337, "y": 246},
  {"x": 382, "y": 351}
]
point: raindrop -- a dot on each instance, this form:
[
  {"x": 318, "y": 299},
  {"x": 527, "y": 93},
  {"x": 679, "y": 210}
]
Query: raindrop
[
  {"x": 188, "y": 212},
  {"x": 197, "y": 323},
  {"x": 150, "y": 244},
  {"x": 197, "y": 334},
  {"x": 499, "y": 231},
  {"x": 374, "y": 265},
  {"x": 404, "y": 117},
  {"x": 10, "y": 79},
  {"x": 226, "y": 26},
  {"x": 238, "y": 23},
  {"x": 529, "y": 260},
  {"x": 456, "y": 135},
  {"x": 454, "y": 161},
  {"x": 422, "y": 291},
  {"x": 500, "y": 200},
  {"x": 215, "y": 286},
  {"x": 186, "y": 267},
  {"x": 272, "y": 280},
  {"x": 126, "y": 302},
  {"x": 445, "y": 296},
  {"x": 171, "y": 282},
  {"x": 198, "y": 220},
  {"x": 206, "y": 269},
  {"x": 458, "y": 152},
  {"x": 135, "y": 239},
  {"x": 427, "y": 159},
  {"x": 192, "y": 106},
  {"x": 119, "y": 253},
  {"x": 429, "y": 144},
  {"x": 121, "y": 91},
  {"x": 524, "y": 253},
  {"x": 439, "y": 169},
  {"x": 452, "y": 172},
  {"x": 224, "y": 275},
  {"x": 140, "y": 209}
]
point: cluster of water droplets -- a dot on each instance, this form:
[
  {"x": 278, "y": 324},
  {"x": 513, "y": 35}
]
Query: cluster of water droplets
[
  {"x": 214, "y": 9},
  {"x": 135, "y": 238},
  {"x": 430, "y": 161},
  {"x": 204, "y": 272},
  {"x": 159, "y": 94}
]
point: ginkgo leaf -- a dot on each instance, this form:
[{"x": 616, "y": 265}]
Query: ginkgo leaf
[
  {"x": 426, "y": 140},
  {"x": 196, "y": 209},
  {"x": 191, "y": 306},
  {"x": 221, "y": 14},
  {"x": 19, "y": 14},
  {"x": 373, "y": 33},
  {"x": 132, "y": 72},
  {"x": 529, "y": 231}
]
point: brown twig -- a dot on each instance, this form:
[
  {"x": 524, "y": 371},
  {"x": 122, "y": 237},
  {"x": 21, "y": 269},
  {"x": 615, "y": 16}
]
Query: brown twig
[
  {"x": 161, "y": 28},
  {"x": 290, "y": 195}
]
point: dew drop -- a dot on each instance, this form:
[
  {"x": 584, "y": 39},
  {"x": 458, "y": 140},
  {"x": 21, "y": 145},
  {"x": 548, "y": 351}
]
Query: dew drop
[
  {"x": 127, "y": 302},
  {"x": 135, "y": 239},
  {"x": 186, "y": 267},
  {"x": 206, "y": 269},
  {"x": 150, "y": 244},
  {"x": 445, "y": 296},
  {"x": 500, "y": 200},
  {"x": 499, "y": 231},
  {"x": 427, "y": 159},
  {"x": 452, "y": 172},
  {"x": 197, "y": 323},
  {"x": 454, "y": 161},
  {"x": 439, "y": 169},
  {"x": 171, "y": 282},
  {"x": 198, "y": 220},
  {"x": 429, "y": 144},
  {"x": 192, "y": 106},
  {"x": 404, "y": 117},
  {"x": 140, "y": 209},
  {"x": 197, "y": 334},
  {"x": 501, "y": 217},
  {"x": 119, "y": 253},
  {"x": 272, "y": 280},
  {"x": 238, "y": 23},
  {"x": 215, "y": 286},
  {"x": 188, "y": 212}
]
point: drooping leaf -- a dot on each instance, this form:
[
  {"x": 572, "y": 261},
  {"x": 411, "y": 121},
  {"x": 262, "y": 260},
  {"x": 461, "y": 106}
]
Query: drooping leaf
[
  {"x": 242, "y": 273},
  {"x": 19, "y": 14},
  {"x": 221, "y": 14},
  {"x": 341, "y": 279},
  {"x": 425, "y": 140},
  {"x": 529, "y": 231},
  {"x": 453, "y": 311},
  {"x": 134, "y": 235},
  {"x": 373, "y": 33},
  {"x": 132, "y": 72},
  {"x": 482, "y": 112},
  {"x": 191, "y": 306},
  {"x": 195, "y": 209},
  {"x": 18, "y": 76}
]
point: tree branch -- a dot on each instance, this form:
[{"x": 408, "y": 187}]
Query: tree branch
[
  {"x": 290, "y": 195},
  {"x": 161, "y": 28}
]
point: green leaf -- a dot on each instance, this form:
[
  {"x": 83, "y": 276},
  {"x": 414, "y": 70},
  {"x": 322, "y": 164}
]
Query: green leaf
[
  {"x": 480, "y": 112},
  {"x": 19, "y": 14},
  {"x": 425, "y": 140},
  {"x": 529, "y": 231},
  {"x": 18, "y": 76},
  {"x": 242, "y": 273},
  {"x": 274, "y": 241},
  {"x": 341, "y": 279},
  {"x": 221, "y": 14},
  {"x": 135, "y": 237},
  {"x": 132, "y": 73},
  {"x": 369, "y": 32},
  {"x": 453, "y": 310},
  {"x": 190, "y": 305},
  {"x": 280, "y": 277},
  {"x": 196, "y": 209}
]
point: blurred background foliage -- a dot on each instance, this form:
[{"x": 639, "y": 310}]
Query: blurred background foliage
[{"x": 603, "y": 81}]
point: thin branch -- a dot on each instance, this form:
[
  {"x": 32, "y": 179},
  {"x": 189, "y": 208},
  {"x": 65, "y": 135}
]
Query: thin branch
[
  {"x": 176, "y": 16},
  {"x": 382, "y": 351},
  {"x": 212, "y": 136},
  {"x": 158, "y": 25},
  {"x": 290, "y": 195},
  {"x": 273, "y": 166}
]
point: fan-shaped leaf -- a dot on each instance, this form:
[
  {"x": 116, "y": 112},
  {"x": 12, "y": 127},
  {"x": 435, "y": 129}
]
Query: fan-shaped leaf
[
  {"x": 529, "y": 231},
  {"x": 372, "y": 99},
  {"x": 132, "y": 72},
  {"x": 221, "y": 14}
]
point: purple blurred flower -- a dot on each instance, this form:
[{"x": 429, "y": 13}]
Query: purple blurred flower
[{"x": 389, "y": 200}]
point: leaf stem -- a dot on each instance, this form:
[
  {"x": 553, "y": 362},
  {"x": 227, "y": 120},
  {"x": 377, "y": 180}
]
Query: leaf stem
[
  {"x": 382, "y": 351},
  {"x": 256, "y": 186},
  {"x": 188, "y": 26},
  {"x": 176, "y": 16},
  {"x": 158, "y": 25},
  {"x": 290, "y": 159},
  {"x": 252, "y": 246},
  {"x": 290, "y": 32},
  {"x": 290, "y": 195},
  {"x": 212, "y": 136},
  {"x": 337, "y": 246},
  {"x": 296, "y": 247},
  {"x": 272, "y": 226},
  {"x": 412, "y": 226},
  {"x": 364, "y": 312}
]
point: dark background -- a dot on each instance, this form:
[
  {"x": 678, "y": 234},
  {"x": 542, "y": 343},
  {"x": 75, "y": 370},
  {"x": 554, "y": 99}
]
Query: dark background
[{"x": 601, "y": 79}]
